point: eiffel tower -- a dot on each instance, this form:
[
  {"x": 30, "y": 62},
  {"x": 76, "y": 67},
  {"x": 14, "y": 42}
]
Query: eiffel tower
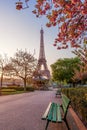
[{"x": 42, "y": 60}]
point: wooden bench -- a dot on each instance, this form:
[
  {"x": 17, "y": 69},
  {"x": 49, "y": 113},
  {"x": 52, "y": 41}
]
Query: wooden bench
[
  {"x": 58, "y": 93},
  {"x": 54, "y": 114}
]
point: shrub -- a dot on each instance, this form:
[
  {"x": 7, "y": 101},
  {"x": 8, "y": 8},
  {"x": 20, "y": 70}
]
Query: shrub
[
  {"x": 30, "y": 88},
  {"x": 78, "y": 97},
  {"x": 8, "y": 90}
]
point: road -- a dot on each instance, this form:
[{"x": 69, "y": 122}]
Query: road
[{"x": 24, "y": 111}]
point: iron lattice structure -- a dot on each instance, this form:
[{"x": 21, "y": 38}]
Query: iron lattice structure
[{"x": 42, "y": 59}]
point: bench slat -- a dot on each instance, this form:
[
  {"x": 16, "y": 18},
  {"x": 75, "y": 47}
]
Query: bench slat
[
  {"x": 50, "y": 114},
  {"x": 54, "y": 113},
  {"x": 59, "y": 118},
  {"x": 46, "y": 112},
  {"x": 65, "y": 100},
  {"x": 65, "y": 103},
  {"x": 64, "y": 108}
]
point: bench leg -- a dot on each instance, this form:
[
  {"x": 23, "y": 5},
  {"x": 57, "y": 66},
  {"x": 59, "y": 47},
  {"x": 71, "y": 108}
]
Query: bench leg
[
  {"x": 47, "y": 125},
  {"x": 67, "y": 124}
]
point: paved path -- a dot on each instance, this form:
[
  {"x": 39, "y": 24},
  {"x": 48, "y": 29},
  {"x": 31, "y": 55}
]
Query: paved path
[{"x": 24, "y": 111}]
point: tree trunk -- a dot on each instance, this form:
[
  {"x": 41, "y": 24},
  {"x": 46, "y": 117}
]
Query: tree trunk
[
  {"x": 1, "y": 83},
  {"x": 1, "y": 79},
  {"x": 24, "y": 84},
  {"x": 0, "y": 91}
]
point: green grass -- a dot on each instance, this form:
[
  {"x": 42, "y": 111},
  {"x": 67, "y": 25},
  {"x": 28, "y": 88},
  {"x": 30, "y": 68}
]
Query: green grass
[
  {"x": 15, "y": 90},
  {"x": 11, "y": 92}
]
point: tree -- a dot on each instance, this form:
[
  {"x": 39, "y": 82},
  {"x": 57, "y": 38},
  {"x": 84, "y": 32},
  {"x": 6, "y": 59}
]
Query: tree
[
  {"x": 3, "y": 62},
  {"x": 70, "y": 16},
  {"x": 81, "y": 74},
  {"x": 63, "y": 69},
  {"x": 22, "y": 65},
  {"x": 19, "y": 5},
  {"x": 82, "y": 54}
]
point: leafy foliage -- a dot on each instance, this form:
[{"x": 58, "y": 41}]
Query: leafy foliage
[
  {"x": 71, "y": 18},
  {"x": 69, "y": 15},
  {"x": 81, "y": 74},
  {"x": 78, "y": 98},
  {"x": 63, "y": 69}
]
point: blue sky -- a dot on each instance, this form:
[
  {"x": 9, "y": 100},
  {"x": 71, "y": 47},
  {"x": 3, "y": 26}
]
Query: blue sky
[{"x": 21, "y": 30}]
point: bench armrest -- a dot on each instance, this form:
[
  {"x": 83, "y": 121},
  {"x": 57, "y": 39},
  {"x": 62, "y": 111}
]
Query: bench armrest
[{"x": 46, "y": 112}]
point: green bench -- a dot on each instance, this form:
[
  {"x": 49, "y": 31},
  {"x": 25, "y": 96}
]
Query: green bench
[
  {"x": 58, "y": 92},
  {"x": 54, "y": 113}
]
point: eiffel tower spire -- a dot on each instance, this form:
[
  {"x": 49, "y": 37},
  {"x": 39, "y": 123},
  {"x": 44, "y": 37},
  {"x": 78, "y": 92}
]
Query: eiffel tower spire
[
  {"x": 42, "y": 60},
  {"x": 42, "y": 52}
]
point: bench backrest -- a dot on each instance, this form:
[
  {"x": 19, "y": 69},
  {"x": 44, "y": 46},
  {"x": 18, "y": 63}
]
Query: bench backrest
[{"x": 65, "y": 104}]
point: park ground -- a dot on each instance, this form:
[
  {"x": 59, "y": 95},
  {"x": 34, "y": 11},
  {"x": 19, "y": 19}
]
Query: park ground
[{"x": 24, "y": 111}]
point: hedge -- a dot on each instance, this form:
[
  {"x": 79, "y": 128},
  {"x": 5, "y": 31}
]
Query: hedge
[{"x": 78, "y": 97}]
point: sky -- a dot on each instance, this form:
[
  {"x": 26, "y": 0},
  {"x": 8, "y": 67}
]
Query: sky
[{"x": 21, "y": 30}]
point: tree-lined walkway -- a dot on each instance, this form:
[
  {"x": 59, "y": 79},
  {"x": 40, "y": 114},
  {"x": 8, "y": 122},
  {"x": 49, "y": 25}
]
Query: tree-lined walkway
[{"x": 24, "y": 111}]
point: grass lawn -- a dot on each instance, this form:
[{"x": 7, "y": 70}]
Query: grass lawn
[{"x": 15, "y": 90}]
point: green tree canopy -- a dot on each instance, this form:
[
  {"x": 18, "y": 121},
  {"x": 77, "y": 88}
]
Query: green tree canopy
[{"x": 63, "y": 69}]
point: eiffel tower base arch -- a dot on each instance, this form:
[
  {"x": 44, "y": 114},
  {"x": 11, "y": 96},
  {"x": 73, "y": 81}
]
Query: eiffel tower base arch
[{"x": 39, "y": 82}]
